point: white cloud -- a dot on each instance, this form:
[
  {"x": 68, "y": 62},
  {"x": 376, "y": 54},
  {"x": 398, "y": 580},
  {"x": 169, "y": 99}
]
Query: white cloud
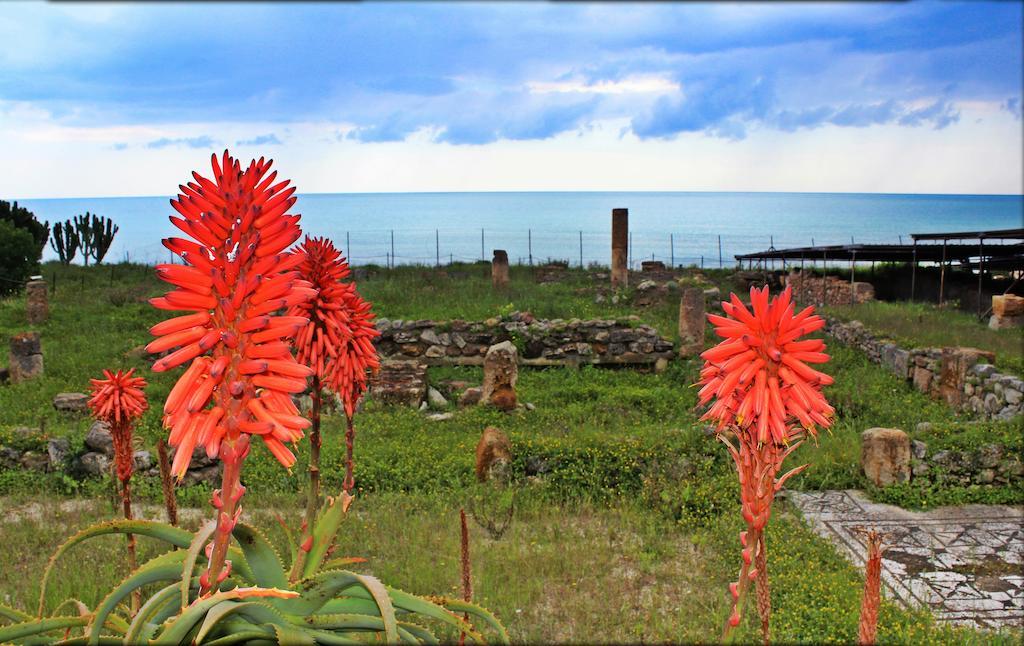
[{"x": 639, "y": 84}]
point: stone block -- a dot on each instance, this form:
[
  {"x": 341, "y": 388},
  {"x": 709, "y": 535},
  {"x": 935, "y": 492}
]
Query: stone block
[
  {"x": 501, "y": 370},
  {"x": 26, "y": 357},
  {"x": 691, "y": 322},
  {"x": 923, "y": 379},
  {"x": 885, "y": 456},
  {"x": 1006, "y": 305},
  {"x": 493, "y": 455},
  {"x": 37, "y": 306},
  {"x": 71, "y": 402}
]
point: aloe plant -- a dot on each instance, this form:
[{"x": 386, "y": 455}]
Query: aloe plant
[{"x": 328, "y": 604}]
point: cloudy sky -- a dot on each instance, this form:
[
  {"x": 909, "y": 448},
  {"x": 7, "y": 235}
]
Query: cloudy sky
[{"x": 111, "y": 99}]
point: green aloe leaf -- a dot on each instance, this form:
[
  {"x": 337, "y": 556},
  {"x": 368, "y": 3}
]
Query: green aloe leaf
[
  {"x": 457, "y": 605},
  {"x": 179, "y": 628},
  {"x": 324, "y": 532},
  {"x": 240, "y": 637},
  {"x": 198, "y": 541},
  {"x": 411, "y": 603},
  {"x": 265, "y": 564},
  {"x": 145, "y": 614},
  {"x": 161, "y": 531},
  {"x": 166, "y": 567},
  {"x": 12, "y": 615},
  {"x": 363, "y": 623},
  {"x": 383, "y": 601},
  {"x": 39, "y": 626},
  {"x": 288, "y": 635},
  {"x": 258, "y": 613}
]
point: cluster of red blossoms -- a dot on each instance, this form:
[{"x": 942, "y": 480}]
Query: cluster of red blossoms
[
  {"x": 759, "y": 376},
  {"x": 119, "y": 399},
  {"x": 338, "y": 341},
  {"x": 236, "y": 277}
]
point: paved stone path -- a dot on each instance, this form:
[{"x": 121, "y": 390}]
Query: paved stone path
[{"x": 966, "y": 564}]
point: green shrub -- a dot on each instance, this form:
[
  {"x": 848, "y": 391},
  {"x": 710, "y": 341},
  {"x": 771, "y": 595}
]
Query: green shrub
[
  {"x": 19, "y": 257},
  {"x": 22, "y": 218}
]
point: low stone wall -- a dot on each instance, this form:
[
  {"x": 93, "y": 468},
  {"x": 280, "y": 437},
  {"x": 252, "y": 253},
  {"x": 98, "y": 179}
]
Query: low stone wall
[
  {"x": 540, "y": 342},
  {"x": 963, "y": 377},
  {"x": 829, "y": 290},
  {"x": 990, "y": 464}
]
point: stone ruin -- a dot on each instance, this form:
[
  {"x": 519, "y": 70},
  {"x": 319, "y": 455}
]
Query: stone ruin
[
  {"x": 37, "y": 306},
  {"x": 493, "y": 456},
  {"x": 1007, "y": 312},
  {"x": 26, "y": 358},
  {"x": 828, "y": 290},
  {"x": 501, "y": 370},
  {"x": 691, "y": 321},
  {"x": 499, "y": 269}
]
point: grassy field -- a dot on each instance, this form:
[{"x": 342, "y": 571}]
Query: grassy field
[
  {"x": 630, "y": 535},
  {"x": 925, "y": 325}
]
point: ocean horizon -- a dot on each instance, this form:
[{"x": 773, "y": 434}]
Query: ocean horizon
[{"x": 681, "y": 227}]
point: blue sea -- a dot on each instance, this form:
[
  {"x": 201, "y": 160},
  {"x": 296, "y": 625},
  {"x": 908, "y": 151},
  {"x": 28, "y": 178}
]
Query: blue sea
[{"x": 684, "y": 228}]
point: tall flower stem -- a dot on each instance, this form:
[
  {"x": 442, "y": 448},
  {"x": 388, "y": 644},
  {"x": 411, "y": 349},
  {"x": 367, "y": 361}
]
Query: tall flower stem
[
  {"x": 313, "y": 502},
  {"x": 170, "y": 502},
  {"x": 350, "y": 438},
  {"x": 126, "y": 504},
  {"x": 868, "y": 628},
  {"x": 764, "y": 598},
  {"x": 740, "y": 588},
  {"x": 226, "y": 500}
]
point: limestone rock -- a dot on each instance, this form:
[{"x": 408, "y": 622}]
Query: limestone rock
[
  {"x": 435, "y": 398},
  {"x": 923, "y": 379},
  {"x": 10, "y": 457},
  {"x": 493, "y": 455},
  {"x": 142, "y": 460},
  {"x": 499, "y": 269},
  {"x": 1007, "y": 305},
  {"x": 885, "y": 456},
  {"x": 35, "y": 461},
  {"x": 440, "y": 417},
  {"x": 26, "y": 358},
  {"x": 210, "y": 475},
  {"x": 501, "y": 370},
  {"x": 37, "y": 306},
  {"x": 94, "y": 464},
  {"x": 99, "y": 439},
  {"x": 71, "y": 402},
  {"x": 57, "y": 450},
  {"x": 470, "y": 397},
  {"x": 956, "y": 364}
]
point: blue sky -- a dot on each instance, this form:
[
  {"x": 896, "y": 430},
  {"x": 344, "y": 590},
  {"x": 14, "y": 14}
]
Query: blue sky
[{"x": 123, "y": 99}]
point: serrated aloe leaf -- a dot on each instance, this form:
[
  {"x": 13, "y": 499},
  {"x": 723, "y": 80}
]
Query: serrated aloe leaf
[
  {"x": 324, "y": 532},
  {"x": 351, "y": 605},
  {"x": 191, "y": 556},
  {"x": 257, "y": 613},
  {"x": 472, "y": 609},
  {"x": 161, "y": 531},
  {"x": 383, "y": 601},
  {"x": 289, "y": 536},
  {"x": 13, "y": 615},
  {"x": 166, "y": 567},
  {"x": 293, "y": 636},
  {"x": 79, "y": 606},
  {"x": 418, "y": 632},
  {"x": 411, "y": 603},
  {"x": 345, "y": 561},
  {"x": 177, "y": 630},
  {"x": 357, "y": 623},
  {"x": 147, "y": 611},
  {"x": 331, "y": 639},
  {"x": 82, "y": 641},
  {"x": 241, "y": 637},
  {"x": 315, "y": 592},
  {"x": 267, "y": 570},
  {"x": 37, "y": 626}
]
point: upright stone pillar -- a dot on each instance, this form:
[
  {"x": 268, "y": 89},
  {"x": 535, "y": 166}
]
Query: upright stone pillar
[
  {"x": 26, "y": 357},
  {"x": 620, "y": 247},
  {"x": 499, "y": 269},
  {"x": 38, "y": 306},
  {"x": 691, "y": 322},
  {"x": 501, "y": 370}
]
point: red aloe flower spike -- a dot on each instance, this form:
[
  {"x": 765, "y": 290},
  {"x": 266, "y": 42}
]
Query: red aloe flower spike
[
  {"x": 336, "y": 344},
  {"x": 119, "y": 400},
  {"x": 872, "y": 598},
  {"x": 236, "y": 270},
  {"x": 761, "y": 390}
]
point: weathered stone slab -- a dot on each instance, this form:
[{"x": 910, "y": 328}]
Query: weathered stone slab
[
  {"x": 885, "y": 456},
  {"x": 71, "y": 402},
  {"x": 37, "y": 306},
  {"x": 26, "y": 357},
  {"x": 493, "y": 455},
  {"x": 499, "y": 269},
  {"x": 501, "y": 370},
  {"x": 620, "y": 248},
  {"x": 1007, "y": 305}
]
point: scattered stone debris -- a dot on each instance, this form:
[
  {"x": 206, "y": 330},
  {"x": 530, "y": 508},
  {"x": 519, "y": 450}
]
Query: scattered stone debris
[
  {"x": 71, "y": 402},
  {"x": 400, "y": 382}
]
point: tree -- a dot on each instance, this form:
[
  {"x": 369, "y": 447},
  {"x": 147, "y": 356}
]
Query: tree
[
  {"x": 19, "y": 257},
  {"x": 22, "y": 218}
]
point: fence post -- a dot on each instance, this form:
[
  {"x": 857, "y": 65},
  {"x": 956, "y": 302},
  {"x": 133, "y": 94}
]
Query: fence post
[
  {"x": 529, "y": 244},
  {"x": 672, "y": 251},
  {"x": 348, "y": 248},
  {"x": 437, "y": 247},
  {"x": 581, "y": 249},
  {"x": 392, "y": 248},
  {"x": 482, "y": 245},
  {"x": 621, "y": 239},
  {"x": 719, "y": 252}
]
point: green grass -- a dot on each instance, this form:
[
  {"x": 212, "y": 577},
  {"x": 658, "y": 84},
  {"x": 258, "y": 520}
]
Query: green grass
[
  {"x": 924, "y": 325},
  {"x": 631, "y": 535},
  {"x": 562, "y": 573}
]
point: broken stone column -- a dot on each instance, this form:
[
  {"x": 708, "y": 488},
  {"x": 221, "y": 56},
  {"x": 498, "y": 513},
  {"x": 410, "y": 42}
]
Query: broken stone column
[
  {"x": 691, "y": 322},
  {"x": 885, "y": 456},
  {"x": 501, "y": 369},
  {"x": 499, "y": 269},
  {"x": 1007, "y": 312},
  {"x": 620, "y": 247},
  {"x": 956, "y": 362},
  {"x": 26, "y": 357},
  {"x": 38, "y": 306}
]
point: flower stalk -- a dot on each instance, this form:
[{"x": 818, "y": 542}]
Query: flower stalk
[
  {"x": 867, "y": 630},
  {"x": 766, "y": 399}
]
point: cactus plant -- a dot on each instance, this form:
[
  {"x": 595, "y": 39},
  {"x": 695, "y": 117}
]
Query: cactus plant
[
  {"x": 65, "y": 241},
  {"x": 96, "y": 233}
]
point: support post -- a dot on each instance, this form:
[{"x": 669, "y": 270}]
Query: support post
[
  {"x": 392, "y": 248},
  {"x": 981, "y": 269},
  {"x": 581, "y": 249},
  {"x": 913, "y": 273},
  {"x": 482, "y": 245},
  {"x": 437, "y": 247},
  {"x": 942, "y": 274},
  {"x": 853, "y": 290},
  {"x": 529, "y": 244},
  {"x": 348, "y": 249},
  {"x": 719, "y": 252},
  {"x": 671, "y": 251},
  {"x": 824, "y": 276},
  {"x": 620, "y": 247}
]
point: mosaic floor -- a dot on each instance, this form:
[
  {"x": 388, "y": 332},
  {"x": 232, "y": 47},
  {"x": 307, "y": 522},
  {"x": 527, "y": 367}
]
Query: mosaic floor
[{"x": 964, "y": 563}]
